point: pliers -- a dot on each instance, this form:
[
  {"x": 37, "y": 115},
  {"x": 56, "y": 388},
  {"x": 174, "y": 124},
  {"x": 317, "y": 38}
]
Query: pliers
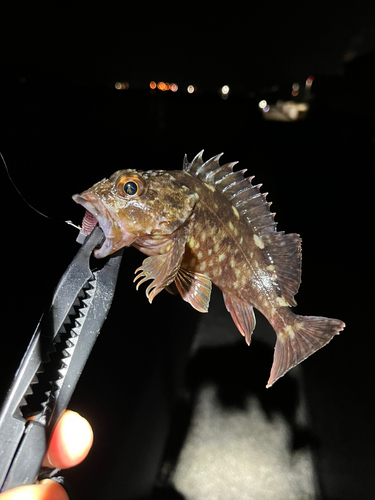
[{"x": 53, "y": 363}]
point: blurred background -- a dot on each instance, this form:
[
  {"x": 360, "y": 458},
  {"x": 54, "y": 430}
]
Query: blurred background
[{"x": 177, "y": 401}]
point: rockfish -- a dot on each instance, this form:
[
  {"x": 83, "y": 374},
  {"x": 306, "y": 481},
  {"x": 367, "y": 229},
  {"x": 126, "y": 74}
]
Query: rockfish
[{"x": 208, "y": 224}]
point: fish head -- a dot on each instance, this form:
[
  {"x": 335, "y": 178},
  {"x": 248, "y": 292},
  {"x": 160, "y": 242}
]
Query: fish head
[{"x": 133, "y": 205}]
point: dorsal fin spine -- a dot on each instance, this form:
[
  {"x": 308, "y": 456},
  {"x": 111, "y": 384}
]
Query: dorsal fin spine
[
  {"x": 195, "y": 164},
  {"x": 222, "y": 173},
  {"x": 246, "y": 200},
  {"x": 244, "y": 193},
  {"x": 231, "y": 180},
  {"x": 206, "y": 169},
  {"x": 241, "y": 193},
  {"x": 185, "y": 164}
]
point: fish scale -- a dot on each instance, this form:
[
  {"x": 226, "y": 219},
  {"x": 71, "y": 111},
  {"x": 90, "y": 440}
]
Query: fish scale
[{"x": 209, "y": 224}]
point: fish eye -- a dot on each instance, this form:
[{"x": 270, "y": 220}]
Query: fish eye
[{"x": 131, "y": 186}]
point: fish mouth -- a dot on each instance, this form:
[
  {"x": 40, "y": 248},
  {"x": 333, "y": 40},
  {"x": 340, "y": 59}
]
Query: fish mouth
[{"x": 97, "y": 213}]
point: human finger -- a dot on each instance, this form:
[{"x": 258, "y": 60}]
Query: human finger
[
  {"x": 70, "y": 442},
  {"x": 45, "y": 490}
]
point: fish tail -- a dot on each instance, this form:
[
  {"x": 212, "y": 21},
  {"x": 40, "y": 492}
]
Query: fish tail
[{"x": 298, "y": 338}]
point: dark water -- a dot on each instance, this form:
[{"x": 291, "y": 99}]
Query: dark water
[{"x": 60, "y": 140}]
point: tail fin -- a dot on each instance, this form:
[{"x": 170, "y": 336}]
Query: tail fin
[{"x": 304, "y": 336}]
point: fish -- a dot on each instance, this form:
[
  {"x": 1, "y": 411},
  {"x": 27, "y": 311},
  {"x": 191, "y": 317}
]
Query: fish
[{"x": 208, "y": 224}]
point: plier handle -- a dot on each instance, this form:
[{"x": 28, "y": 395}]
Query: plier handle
[{"x": 53, "y": 363}]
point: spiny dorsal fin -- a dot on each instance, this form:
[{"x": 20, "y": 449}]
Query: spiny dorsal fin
[
  {"x": 283, "y": 250},
  {"x": 250, "y": 203},
  {"x": 196, "y": 163}
]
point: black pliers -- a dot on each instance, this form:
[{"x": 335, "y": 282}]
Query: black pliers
[{"x": 53, "y": 363}]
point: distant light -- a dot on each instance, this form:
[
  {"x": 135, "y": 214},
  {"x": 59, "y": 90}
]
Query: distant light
[
  {"x": 191, "y": 89},
  {"x": 262, "y": 104},
  {"x": 164, "y": 86},
  {"x": 224, "y": 92},
  {"x": 295, "y": 89},
  {"x": 309, "y": 81},
  {"x": 293, "y": 112},
  {"x": 266, "y": 108},
  {"x": 121, "y": 85}
]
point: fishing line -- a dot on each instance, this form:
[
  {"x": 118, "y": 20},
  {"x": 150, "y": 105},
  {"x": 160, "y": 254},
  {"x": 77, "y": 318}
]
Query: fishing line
[{"x": 69, "y": 222}]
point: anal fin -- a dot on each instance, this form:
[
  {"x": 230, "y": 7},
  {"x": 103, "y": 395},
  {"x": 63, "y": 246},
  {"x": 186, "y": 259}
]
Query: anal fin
[
  {"x": 303, "y": 336},
  {"x": 242, "y": 315}
]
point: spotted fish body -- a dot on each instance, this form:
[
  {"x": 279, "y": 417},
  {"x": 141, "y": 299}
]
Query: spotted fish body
[{"x": 207, "y": 224}]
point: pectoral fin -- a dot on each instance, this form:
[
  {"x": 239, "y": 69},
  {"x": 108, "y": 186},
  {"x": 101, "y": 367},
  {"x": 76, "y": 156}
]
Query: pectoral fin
[
  {"x": 163, "y": 268},
  {"x": 242, "y": 315},
  {"x": 194, "y": 288}
]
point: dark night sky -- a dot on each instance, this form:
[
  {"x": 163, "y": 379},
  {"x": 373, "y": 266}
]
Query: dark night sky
[{"x": 260, "y": 44}]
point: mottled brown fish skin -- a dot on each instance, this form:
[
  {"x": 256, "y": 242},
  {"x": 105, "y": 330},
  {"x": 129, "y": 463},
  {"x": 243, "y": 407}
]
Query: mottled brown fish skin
[
  {"x": 208, "y": 224},
  {"x": 221, "y": 246}
]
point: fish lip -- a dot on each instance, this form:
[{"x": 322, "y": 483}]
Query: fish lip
[{"x": 99, "y": 211}]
